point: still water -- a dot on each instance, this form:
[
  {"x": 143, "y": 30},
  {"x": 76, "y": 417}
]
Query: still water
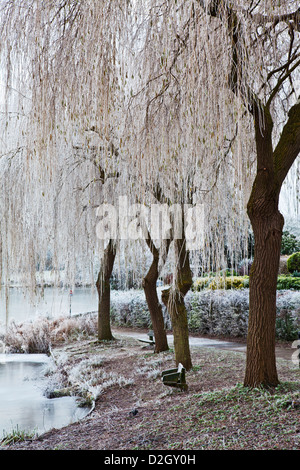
[
  {"x": 23, "y": 405},
  {"x": 53, "y": 303}
]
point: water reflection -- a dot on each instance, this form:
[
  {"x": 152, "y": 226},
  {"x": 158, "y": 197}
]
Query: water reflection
[{"x": 22, "y": 403}]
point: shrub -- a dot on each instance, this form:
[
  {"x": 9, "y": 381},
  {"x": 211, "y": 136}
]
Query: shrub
[
  {"x": 242, "y": 282},
  {"x": 219, "y": 313},
  {"x": 129, "y": 308},
  {"x": 225, "y": 313},
  {"x": 212, "y": 312},
  {"x": 286, "y": 329},
  {"x": 28, "y": 338},
  {"x": 293, "y": 262},
  {"x": 288, "y": 315},
  {"x": 214, "y": 283},
  {"x": 290, "y": 244},
  {"x": 288, "y": 282},
  {"x": 64, "y": 329},
  {"x": 37, "y": 336}
]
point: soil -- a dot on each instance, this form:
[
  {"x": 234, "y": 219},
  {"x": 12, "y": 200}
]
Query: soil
[{"x": 146, "y": 414}]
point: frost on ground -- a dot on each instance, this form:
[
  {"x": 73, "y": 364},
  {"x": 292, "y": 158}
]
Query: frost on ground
[
  {"x": 90, "y": 377},
  {"x": 133, "y": 409}
]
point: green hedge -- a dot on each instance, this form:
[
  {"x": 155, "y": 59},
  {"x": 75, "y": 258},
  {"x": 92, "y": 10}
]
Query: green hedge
[
  {"x": 214, "y": 283},
  {"x": 288, "y": 282},
  {"x": 293, "y": 263},
  {"x": 290, "y": 244},
  {"x": 242, "y": 282}
]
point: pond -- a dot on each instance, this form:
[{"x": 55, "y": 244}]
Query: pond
[
  {"x": 54, "y": 302},
  {"x": 23, "y": 405}
]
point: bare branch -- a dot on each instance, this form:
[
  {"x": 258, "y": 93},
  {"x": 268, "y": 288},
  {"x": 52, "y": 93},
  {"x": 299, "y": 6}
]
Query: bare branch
[
  {"x": 281, "y": 81},
  {"x": 288, "y": 147}
]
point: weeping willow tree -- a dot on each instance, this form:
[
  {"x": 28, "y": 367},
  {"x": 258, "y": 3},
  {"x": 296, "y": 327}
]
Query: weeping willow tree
[
  {"x": 219, "y": 96},
  {"x": 203, "y": 101},
  {"x": 65, "y": 81},
  {"x": 96, "y": 186},
  {"x": 183, "y": 144},
  {"x": 265, "y": 76},
  {"x": 60, "y": 71}
]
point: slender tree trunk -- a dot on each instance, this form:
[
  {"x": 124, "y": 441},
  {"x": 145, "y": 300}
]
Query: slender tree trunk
[
  {"x": 155, "y": 309},
  {"x": 150, "y": 289},
  {"x": 173, "y": 299},
  {"x": 103, "y": 288},
  {"x": 174, "y": 302}
]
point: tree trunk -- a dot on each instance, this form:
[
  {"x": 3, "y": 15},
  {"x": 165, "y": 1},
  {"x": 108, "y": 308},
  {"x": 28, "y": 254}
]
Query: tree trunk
[
  {"x": 261, "y": 361},
  {"x": 103, "y": 288},
  {"x": 155, "y": 309},
  {"x": 174, "y": 302},
  {"x": 173, "y": 299},
  {"x": 267, "y": 224}
]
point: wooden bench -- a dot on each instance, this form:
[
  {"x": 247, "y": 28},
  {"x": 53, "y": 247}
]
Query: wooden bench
[
  {"x": 150, "y": 340},
  {"x": 175, "y": 377}
]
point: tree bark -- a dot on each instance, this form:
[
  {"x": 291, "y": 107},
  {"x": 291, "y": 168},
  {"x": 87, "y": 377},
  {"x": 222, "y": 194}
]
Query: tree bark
[
  {"x": 261, "y": 360},
  {"x": 155, "y": 309},
  {"x": 267, "y": 224},
  {"x": 173, "y": 299},
  {"x": 103, "y": 288}
]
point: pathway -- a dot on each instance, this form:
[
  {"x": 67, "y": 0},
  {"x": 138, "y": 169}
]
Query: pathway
[{"x": 281, "y": 351}]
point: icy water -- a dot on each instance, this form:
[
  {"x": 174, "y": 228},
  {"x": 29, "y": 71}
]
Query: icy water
[
  {"x": 53, "y": 303},
  {"x": 23, "y": 405}
]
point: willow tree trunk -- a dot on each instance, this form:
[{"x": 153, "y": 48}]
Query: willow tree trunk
[
  {"x": 261, "y": 360},
  {"x": 173, "y": 299},
  {"x": 154, "y": 306},
  {"x": 103, "y": 288},
  {"x": 155, "y": 309},
  {"x": 174, "y": 302},
  {"x": 267, "y": 224},
  {"x": 157, "y": 319}
]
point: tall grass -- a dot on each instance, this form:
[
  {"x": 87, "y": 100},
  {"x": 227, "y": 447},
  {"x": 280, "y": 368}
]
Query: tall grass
[{"x": 39, "y": 335}]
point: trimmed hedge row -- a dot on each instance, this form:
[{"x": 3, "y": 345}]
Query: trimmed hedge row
[
  {"x": 288, "y": 282},
  {"x": 218, "y": 313},
  {"x": 214, "y": 283},
  {"x": 242, "y": 282}
]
